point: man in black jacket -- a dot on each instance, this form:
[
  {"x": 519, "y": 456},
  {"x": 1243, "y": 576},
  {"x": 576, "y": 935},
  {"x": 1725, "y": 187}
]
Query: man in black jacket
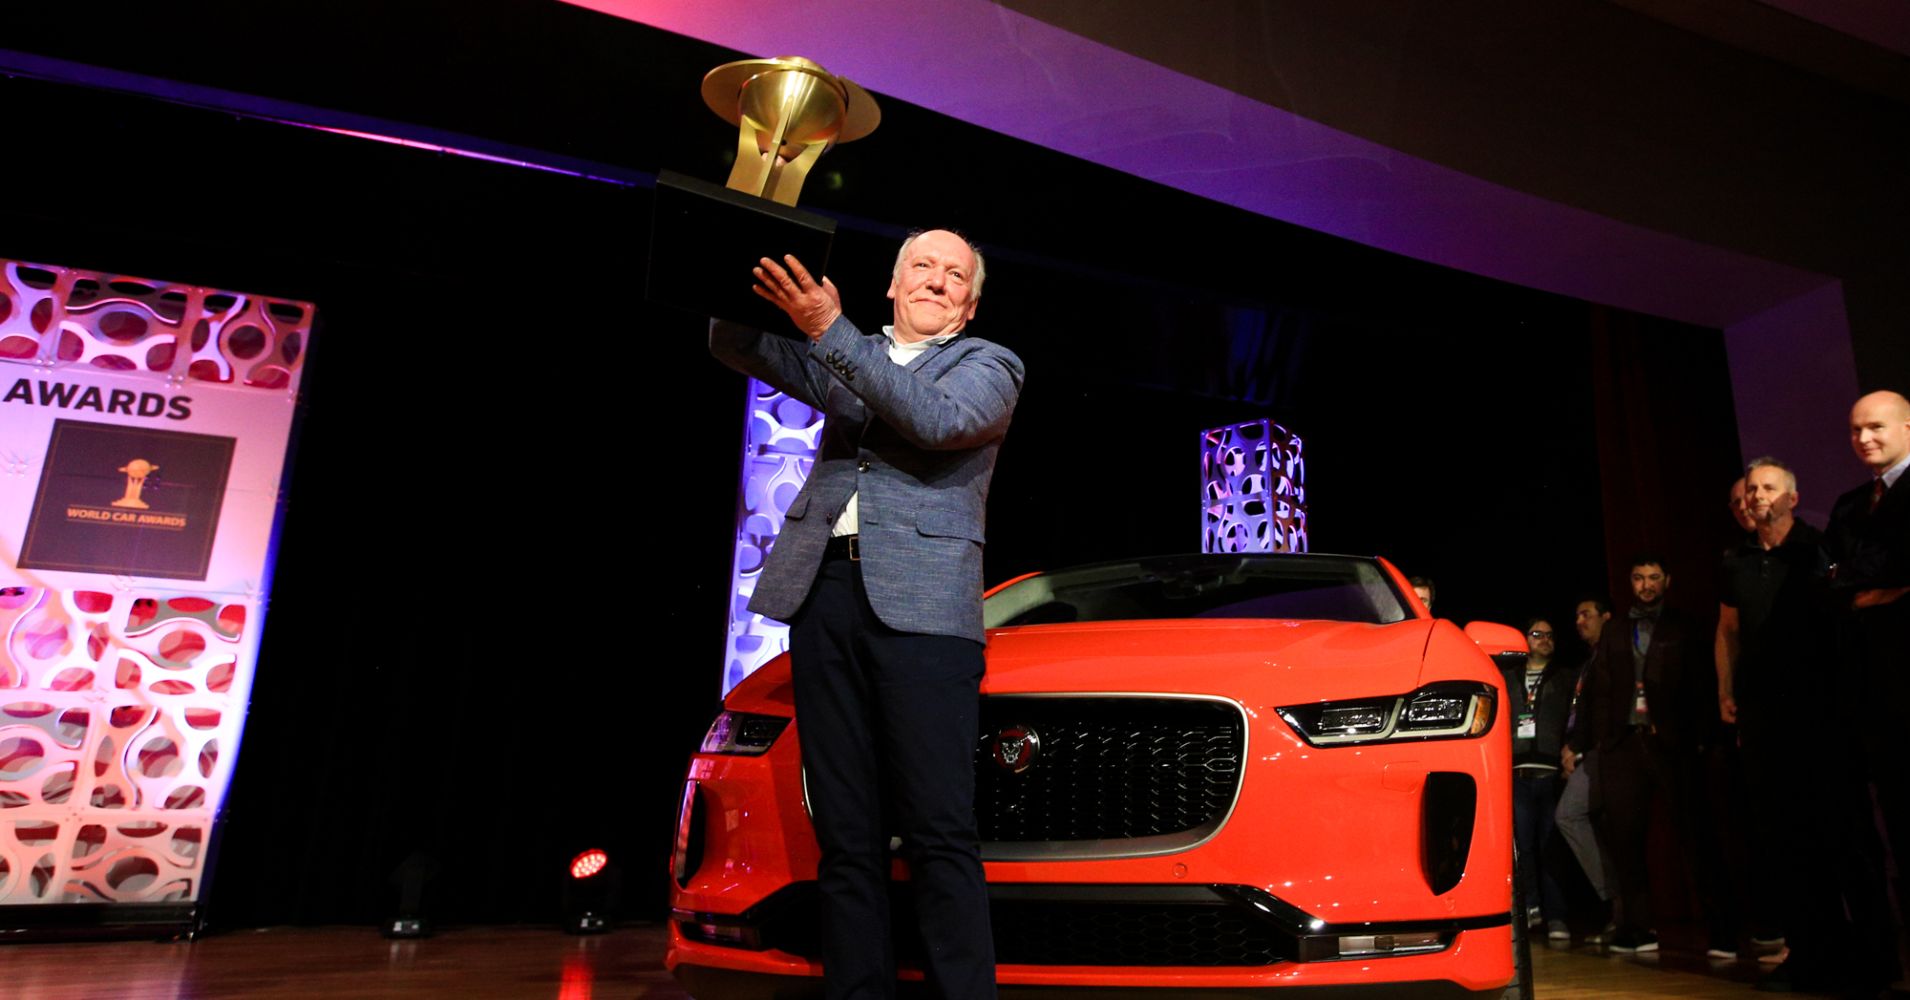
[
  {"x": 1649, "y": 711},
  {"x": 1540, "y": 699},
  {"x": 1589, "y": 619},
  {"x": 1776, "y": 666}
]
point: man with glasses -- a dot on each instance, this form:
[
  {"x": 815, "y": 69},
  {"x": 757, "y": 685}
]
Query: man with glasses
[{"x": 1541, "y": 698}]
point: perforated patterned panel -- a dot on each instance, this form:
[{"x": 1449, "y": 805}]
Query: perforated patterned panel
[
  {"x": 1253, "y": 489},
  {"x": 779, "y": 447},
  {"x": 114, "y": 705},
  {"x": 122, "y": 696},
  {"x": 65, "y": 316}
]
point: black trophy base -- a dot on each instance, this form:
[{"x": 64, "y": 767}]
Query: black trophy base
[{"x": 704, "y": 239}]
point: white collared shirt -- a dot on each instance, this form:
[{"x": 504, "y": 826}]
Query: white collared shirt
[
  {"x": 1895, "y": 472},
  {"x": 849, "y": 521}
]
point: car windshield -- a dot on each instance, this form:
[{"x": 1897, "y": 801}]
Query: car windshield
[{"x": 1296, "y": 586}]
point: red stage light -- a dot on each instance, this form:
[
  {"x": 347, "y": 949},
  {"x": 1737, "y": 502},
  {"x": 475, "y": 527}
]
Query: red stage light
[{"x": 588, "y": 863}]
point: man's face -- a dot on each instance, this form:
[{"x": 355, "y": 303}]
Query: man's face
[
  {"x": 1770, "y": 500},
  {"x": 1740, "y": 511},
  {"x": 1425, "y": 596},
  {"x": 931, "y": 291},
  {"x": 1589, "y": 621},
  {"x": 1649, "y": 583},
  {"x": 1541, "y": 639},
  {"x": 1880, "y": 430}
]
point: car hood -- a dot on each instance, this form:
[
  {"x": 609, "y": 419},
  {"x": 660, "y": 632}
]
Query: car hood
[{"x": 1285, "y": 662}]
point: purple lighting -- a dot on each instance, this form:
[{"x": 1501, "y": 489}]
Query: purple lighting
[
  {"x": 1253, "y": 489},
  {"x": 779, "y": 447}
]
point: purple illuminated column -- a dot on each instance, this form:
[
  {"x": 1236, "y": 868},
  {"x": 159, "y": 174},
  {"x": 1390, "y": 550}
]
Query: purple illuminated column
[
  {"x": 1253, "y": 489},
  {"x": 779, "y": 446}
]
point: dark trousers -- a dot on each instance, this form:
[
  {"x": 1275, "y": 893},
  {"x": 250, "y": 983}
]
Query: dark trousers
[
  {"x": 1535, "y": 798},
  {"x": 888, "y": 725},
  {"x": 1708, "y": 841},
  {"x": 1633, "y": 791},
  {"x": 1819, "y": 849},
  {"x": 1645, "y": 780},
  {"x": 1876, "y": 645}
]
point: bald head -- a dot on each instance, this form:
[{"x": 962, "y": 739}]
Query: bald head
[{"x": 1880, "y": 430}]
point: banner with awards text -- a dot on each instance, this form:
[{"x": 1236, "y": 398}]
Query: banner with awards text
[{"x": 143, "y": 434}]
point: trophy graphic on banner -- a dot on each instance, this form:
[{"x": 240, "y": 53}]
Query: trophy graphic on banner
[
  {"x": 704, "y": 238},
  {"x": 136, "y": 472}
]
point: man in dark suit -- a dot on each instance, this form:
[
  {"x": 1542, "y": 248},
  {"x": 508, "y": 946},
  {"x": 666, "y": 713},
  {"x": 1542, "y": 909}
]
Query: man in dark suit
[
  {"x": 1869, "y": 546},
  {"x": 1648, "y": 710},
  {"x": 878, "y": 571}
]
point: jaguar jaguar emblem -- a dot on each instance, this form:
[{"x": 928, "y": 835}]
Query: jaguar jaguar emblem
[{"x": 1016, "y": 748}]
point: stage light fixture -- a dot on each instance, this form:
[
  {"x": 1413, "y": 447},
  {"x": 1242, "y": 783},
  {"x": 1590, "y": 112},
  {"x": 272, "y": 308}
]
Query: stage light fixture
[
  {"x": 591, "y": 888},
  {"x": 588, "y": 863},
  {"x": 410, "y": 877}
]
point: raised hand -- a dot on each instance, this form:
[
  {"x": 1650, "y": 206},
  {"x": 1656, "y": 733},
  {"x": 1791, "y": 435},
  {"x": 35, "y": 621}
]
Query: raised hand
[{"x": 811, "y": 306}]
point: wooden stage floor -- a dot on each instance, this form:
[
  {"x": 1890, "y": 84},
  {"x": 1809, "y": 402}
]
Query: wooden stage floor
[{"x": 506, "y": 963}]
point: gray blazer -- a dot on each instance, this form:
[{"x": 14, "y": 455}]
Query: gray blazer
[{"x": 918, "y": 442}]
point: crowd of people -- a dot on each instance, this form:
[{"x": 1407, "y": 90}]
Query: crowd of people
[{"x": 1763, "y": 753}]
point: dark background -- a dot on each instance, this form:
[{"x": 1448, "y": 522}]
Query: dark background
[{"x": 497, "y": 621}]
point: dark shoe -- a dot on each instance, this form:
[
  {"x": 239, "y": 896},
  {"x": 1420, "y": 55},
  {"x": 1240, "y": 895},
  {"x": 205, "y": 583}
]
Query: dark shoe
[
  {"x": 1557, "y": 930},
  {"x": 1631, "y": 941},
  {"x": 1722, "y": 949}
]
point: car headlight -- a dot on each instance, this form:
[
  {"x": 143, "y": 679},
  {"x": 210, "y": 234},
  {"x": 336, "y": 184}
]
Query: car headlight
[
  {"x": 1443, "y": 711},
  {"x": 743, "y": 733}
]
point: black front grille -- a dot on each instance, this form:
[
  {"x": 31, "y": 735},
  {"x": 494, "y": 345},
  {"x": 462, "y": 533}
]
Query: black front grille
[
  {"x": 1151, "y": 926},
  {"x": 1074, "y": 933},
  {"x": 1107, "y": 768}
]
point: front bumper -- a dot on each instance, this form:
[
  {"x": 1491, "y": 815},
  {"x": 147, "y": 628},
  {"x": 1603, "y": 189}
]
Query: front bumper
[
  {"x": 706, "y": 983},
  {"x": 1222, "y": 938}
]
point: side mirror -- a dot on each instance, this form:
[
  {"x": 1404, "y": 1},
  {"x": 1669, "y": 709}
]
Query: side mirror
[{"x": 1496, "y": 639}]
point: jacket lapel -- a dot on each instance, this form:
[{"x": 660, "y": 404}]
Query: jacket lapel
[
  {"x": 929, "y": 359},
  {"x": 1894, "y": 498}
]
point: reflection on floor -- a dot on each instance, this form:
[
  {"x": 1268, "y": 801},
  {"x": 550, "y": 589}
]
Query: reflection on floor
[{"x": 543, "y": 964}]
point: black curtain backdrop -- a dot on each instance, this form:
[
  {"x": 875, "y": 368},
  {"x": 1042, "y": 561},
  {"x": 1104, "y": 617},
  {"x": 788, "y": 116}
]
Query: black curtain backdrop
[
  {"x": 496, "y": 630},
  {"x": 1662, "y": 398}
]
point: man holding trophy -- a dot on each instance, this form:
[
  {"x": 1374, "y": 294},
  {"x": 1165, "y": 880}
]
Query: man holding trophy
[
  {"x": 878, "y": 566},
  {"x": 878, "y": 572}
]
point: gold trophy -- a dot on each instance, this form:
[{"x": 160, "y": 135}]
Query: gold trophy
[
  {"x": 788, "y": 111},
  {"x": 136, "y": 472}
]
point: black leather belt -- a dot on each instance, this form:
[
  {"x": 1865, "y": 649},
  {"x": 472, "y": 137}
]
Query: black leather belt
[{"x": 843, "y": 547}]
